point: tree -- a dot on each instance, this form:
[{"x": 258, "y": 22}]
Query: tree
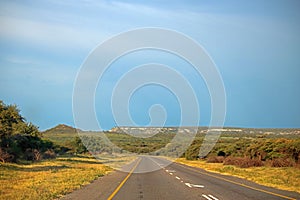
[
  {"x": 19, "y": 139},
  {"x": 79, "y": 146},
  {"x": 9, "y": 119}
]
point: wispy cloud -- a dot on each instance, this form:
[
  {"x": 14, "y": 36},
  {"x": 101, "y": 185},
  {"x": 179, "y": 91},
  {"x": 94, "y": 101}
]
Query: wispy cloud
[
  {"x": 19, "y": 60},
  {"x": 63, "y": 28},
  {"x": 48, "y": 34},
  {"x": 84, "y": 24}
]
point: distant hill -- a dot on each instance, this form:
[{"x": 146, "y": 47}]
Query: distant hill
[
  {"x": 251, "y": 132},
  {"x": 61, "y": 135},
  {"x": 132, "y": 138},
  {"x": 61, "y": 129}
]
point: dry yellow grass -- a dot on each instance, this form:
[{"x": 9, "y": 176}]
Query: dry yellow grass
[
  {"x": 286, "y": 178},
  {"x": 48, "y": 179}
]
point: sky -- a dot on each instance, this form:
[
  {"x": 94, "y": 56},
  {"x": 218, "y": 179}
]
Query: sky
[{"x": 255, "y": 46}]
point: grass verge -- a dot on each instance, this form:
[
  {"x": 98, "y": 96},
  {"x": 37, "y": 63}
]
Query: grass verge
[
  {"x": 285, "y": 178},
  {"x": 48, "y": 179}
]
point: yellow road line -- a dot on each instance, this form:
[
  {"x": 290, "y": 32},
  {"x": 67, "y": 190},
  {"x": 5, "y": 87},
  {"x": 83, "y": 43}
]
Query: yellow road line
[
  {"x": 240, "y": 184},
  {"x": 123, "y": 182}
]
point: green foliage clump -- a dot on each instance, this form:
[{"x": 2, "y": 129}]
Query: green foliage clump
[
  {"x": 242, "y": 162},
  {"x": 19, "y": 139},
  {"x": 79, "y": 146},
  {"x": 270, "y": 149},
  {"x": 192, "y": 153},
  {"x": 250, "y": 151}
]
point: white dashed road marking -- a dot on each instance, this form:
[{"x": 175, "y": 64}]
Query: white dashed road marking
[
  {"x": 168, "y": 170},
  {"x": 206, "y": 197},
  {"x": 194, "y": 185},
  {"x": 188, "y": 184},
  {"x": 211, "y": 196}
]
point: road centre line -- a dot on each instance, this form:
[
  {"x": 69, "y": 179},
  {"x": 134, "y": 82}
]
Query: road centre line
[
  {"x": 177, "y": 177},
  {"x": 123, "y": 182}
]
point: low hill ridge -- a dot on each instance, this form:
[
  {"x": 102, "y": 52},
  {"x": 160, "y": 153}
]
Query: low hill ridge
[{"x": 61, "y": 128}]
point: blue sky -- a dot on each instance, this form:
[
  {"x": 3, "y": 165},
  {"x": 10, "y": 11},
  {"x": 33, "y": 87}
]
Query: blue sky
[{"x": 254, "y": 44}]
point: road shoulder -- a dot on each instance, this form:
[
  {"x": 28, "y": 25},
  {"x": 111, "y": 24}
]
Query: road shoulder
[{"x": 101, "y": 188}]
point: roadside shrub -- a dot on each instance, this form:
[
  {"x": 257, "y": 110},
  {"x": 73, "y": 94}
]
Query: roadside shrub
[
  {"x": 19, "y": 140},
  {"x": 192, "y": 153},
  {"x": 33, "y": 154},
  {"x": 221, "y": 153},
  {"x": 231, "y": 161},
  {"x": 282, "y": 162},
  {"x": 5, "y": 157},
  {"x": 215, "y": 159},
  {"x": 243, "y": 162},
  {"x": 49, "y": 154}
]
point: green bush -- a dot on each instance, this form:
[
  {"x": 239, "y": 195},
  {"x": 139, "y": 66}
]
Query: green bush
[
  {"x": 215, "y": 159},
  {"x": 19, "y": 139},
  {"x": 192, "y": 153},
  {"x": 282, "y": 162},
  {"x": 243, "y": 162}
]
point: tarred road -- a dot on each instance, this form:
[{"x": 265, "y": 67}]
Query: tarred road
[{"x": 174, "y": 181}]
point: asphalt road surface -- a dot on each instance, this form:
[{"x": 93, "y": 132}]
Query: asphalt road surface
[{"x": 174, "y": 181}]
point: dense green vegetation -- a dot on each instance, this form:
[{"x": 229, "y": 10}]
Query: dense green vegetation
[
  {"x": 140, "y": 145},
  {"x": 251, "y": 147},
  {"x": 65, "y": 138},
  {"x": 246, "y": 151},
  {"x": 20, "y": 140}
]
